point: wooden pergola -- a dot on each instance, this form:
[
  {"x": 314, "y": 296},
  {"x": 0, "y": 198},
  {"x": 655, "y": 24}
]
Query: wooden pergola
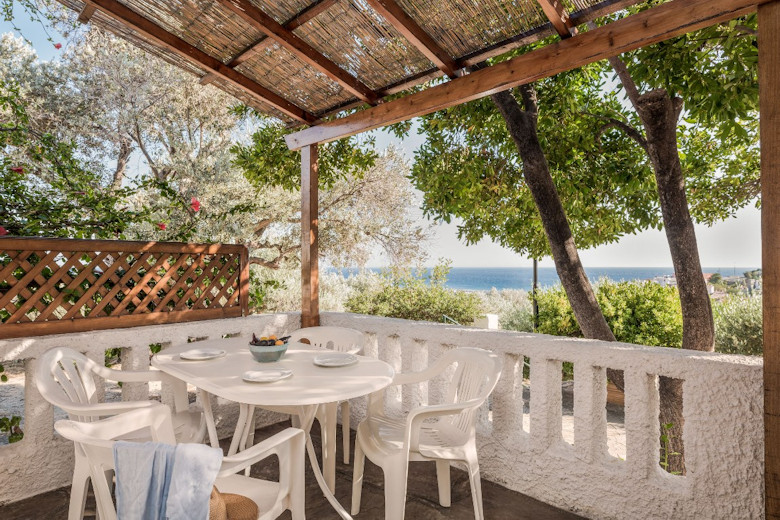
[{"x": 309, "y": 62}]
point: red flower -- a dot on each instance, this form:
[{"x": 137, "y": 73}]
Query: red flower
[
  {"x": 162, "y": 226},
  {"x": 58, "y": 46},
  {"x": 195, "y": 204},
  {"x": 3, "y": 231},
  {"x": 18, "y": 169}
]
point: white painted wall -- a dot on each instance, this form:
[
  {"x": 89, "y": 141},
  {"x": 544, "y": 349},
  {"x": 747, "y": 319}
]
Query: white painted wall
[{"x": 723, "y": 409}]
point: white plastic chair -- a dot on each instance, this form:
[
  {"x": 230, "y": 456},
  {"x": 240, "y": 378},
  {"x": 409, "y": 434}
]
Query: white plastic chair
[
  {"x": 95, "y": 440},
  {"x": 66, "y": 379},
  {"x": 340, "y": 339},
  {"x": 442, "y": 433}
]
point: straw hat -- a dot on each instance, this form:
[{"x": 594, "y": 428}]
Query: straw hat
[{"x": 228, "y": 506}]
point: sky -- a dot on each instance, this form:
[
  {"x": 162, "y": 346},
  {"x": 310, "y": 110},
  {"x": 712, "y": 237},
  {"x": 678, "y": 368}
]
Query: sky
[{"x": 734, "y": 242}]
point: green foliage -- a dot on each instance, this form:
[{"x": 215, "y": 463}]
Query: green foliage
[
  {"x": 259, "y": 289},
  {"x": 644, "y": 313},
  {"x": 268, "y": 162},
  {"x": 11, "y": 427},
  {"x": 404, "y": 293},
  {"x": 738, "y": 325},
  {"x": 469, "y": 168},
  {"x": 666, "y": 448},
  {"x": 715, "y": 73},
  {"x": 513, "y": 308},
  {"x": 44, "y": 188}
]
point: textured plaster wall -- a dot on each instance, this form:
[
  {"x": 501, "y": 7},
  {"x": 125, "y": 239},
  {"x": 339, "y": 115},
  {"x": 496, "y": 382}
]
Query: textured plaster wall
[
  {"x": 723, "y": 408},
  {"x": 723, "y": 430}
]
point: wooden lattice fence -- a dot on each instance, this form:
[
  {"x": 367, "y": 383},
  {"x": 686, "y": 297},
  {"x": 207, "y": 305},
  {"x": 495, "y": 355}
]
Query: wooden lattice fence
[{"x": 53, "y": 286}]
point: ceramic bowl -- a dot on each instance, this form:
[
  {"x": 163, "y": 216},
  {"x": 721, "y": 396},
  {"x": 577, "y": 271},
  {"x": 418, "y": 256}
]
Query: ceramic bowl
[{"x": 268, "y": 354}]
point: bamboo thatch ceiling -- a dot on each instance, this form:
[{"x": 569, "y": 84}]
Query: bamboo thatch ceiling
[{"x": 302, "y": 60}]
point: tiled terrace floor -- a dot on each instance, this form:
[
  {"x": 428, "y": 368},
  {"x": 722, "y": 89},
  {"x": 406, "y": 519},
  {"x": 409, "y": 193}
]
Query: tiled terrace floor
[{"x": 422, "y": 501}]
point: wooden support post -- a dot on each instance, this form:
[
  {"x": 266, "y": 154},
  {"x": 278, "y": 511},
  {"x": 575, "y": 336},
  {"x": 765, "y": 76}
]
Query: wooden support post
[
  {"x": 769, "y": 89},
  {"x": 310, "y": 282}
]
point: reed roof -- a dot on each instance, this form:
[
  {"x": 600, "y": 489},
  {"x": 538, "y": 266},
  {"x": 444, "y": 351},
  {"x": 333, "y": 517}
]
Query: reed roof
[{"x": 353, "y": 51}]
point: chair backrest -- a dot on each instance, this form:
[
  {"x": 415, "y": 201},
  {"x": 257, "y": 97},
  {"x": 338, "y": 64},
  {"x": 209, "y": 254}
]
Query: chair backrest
[
  {"x": 96, "y": 441},
  {"x": 476, "y": 375},
  {"x": 340, "y": 339},
  {"x": 65, "y": 377}
]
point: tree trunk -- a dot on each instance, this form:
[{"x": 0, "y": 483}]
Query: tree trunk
[
  {"x": 125, "y": 150},
  {"x": 659, "y": 113},
  {"x": 521, "y": 124}
]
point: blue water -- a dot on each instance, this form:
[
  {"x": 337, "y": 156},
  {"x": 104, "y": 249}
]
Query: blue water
[{"x": 486, "y": 278}]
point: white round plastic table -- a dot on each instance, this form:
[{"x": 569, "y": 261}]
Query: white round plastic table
[{"x": 309, "y": 387}]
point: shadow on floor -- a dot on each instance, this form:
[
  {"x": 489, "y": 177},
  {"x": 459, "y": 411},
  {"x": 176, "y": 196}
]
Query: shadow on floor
[{"x": 422, "y": 499}]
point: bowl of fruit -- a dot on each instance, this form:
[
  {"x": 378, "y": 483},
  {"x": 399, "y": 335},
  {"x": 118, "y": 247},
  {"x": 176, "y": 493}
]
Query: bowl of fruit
[{"x": 268, "y": 349}]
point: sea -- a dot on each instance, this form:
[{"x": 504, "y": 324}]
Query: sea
[{"x": 487, "y": 278}]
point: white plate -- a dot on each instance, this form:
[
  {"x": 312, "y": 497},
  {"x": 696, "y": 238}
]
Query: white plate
[
  {"x": 335, "y": 359},
  {"x": 202, "y": 354},
  {"x": 266, "y": 376}
]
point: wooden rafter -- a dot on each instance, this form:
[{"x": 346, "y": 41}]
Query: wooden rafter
[
  {"x": 559, "y": 18},
  {"x": 525, "y": 38},
  {"x": 660, "y": 23},
  {"x": 294, "y": 44},
  {"x": 405, "y": 24},
  {"x": 87, "y": 12},
  {"x": 308, "y": 13},
  {"x": 180, "y": 47}
]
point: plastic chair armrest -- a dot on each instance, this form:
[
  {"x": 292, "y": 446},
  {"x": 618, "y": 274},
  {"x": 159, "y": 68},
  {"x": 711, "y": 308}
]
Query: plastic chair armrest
[
  {"x": 106, "y": 409},
  {"x": 278, "y": 444},
  {"x": 417, "y": 416}
]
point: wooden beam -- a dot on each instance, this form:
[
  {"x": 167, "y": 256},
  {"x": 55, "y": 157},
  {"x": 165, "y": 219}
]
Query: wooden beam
[
  {"x": 769, "y": 104},
  {"x": 305, "y": 15},
  {"x": 295, "y": 45},
  {"x": 559, "y": 18},
  {"x": 87, "y": 12},
  {"x": 660, "y": 23},
  {"x": 180, "y": 47},
  {"x": 405, "y": 24},
  {"x": 310, "y": 288}
]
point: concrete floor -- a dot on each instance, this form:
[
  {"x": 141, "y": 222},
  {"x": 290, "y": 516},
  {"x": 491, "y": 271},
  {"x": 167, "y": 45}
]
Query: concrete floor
[{"x": 422, "y": 500}]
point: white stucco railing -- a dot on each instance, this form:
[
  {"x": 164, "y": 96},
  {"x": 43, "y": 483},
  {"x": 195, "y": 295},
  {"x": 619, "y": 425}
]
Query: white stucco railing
[
  {"x": 723, "y": 410},
  {"x": 722, "y": 406}
]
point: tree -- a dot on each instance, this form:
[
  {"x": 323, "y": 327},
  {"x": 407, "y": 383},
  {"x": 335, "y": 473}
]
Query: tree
[
  {"x": 708, "y": 77},
  {"x": 365, "y": 199},
  {"x": 525, "y": 168},
  {"x": 46, "y": 190},
  {"x": 586, "y": 156}
]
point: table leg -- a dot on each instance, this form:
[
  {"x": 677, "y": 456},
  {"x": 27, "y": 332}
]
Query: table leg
[
  {"x": 241, "y": 427},
  {"x": 211, "y": 427},
  {"x": 307, "y": 419},
  {"x": 329, "y": 443}
]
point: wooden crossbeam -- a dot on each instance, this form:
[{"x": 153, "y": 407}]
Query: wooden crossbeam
[
  {"x": 294, "y": 44},
  {"x": 416, "y": 35},
  {"x": 653, "y": 25},
  {"x": 180, "y": 47},
  {"x": 86, "y": 13},
  {"x": 305, "y": 15},
  {"x": 559, "y": 18}
]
